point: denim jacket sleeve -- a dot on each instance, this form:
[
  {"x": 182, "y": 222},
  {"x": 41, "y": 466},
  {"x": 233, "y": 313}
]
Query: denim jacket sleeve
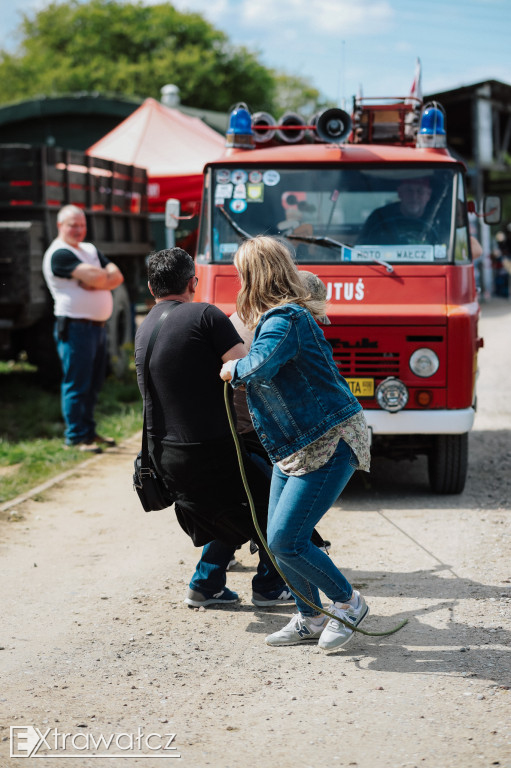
[{"x": 275, "y": 343}]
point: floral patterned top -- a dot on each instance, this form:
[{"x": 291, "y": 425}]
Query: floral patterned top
[{"x": 353, "y": 431}]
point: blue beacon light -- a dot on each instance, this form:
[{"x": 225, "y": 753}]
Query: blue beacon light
[
  {"x": 239, "y": 133},
  {"x": 432, "y": 131}
]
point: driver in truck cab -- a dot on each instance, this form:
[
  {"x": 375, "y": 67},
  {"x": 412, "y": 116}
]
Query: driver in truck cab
[{"x": 405, "y": 221}]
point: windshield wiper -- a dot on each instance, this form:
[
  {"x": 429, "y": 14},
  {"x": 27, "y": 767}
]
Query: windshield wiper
[
  {"x": 331, "y": 243},
  {"x": 233, "y": 224},
  {"x": 327, "y": 241}
]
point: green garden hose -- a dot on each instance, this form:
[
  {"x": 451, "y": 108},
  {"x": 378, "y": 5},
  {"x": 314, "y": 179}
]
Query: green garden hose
[{"x": 270, "y": 554}]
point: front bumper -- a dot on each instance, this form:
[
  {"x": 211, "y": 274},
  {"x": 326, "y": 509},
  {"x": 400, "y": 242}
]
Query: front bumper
[{"x": 408, "y": 422}]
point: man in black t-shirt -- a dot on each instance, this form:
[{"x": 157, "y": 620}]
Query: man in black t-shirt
[{"x": 189, "y": 437}]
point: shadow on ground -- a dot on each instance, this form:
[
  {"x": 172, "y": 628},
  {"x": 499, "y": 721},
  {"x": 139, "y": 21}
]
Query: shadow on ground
[{"x": 392, "y": 483}]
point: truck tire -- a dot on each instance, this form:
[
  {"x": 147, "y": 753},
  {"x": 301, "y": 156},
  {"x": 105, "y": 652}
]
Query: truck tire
[
  {"x": 39, "y": 344},
  {"x": 448, "y": 463},
  {"x": 120, "y": 334}
]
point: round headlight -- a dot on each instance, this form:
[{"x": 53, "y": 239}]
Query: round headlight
[
  {"x": 424, "y": 362},
  {"x": 391, "y": 394}
]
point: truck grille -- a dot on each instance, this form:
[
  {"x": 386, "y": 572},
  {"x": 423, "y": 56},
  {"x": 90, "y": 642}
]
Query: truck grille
[{"x": 358, "y": 363}]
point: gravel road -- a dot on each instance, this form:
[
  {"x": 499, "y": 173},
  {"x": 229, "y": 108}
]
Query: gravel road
[{"x": 95, "y": 639}]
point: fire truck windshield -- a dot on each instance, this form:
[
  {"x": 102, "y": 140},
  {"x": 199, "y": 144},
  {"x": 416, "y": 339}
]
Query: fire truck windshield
[{"x": 390, "y": 214}]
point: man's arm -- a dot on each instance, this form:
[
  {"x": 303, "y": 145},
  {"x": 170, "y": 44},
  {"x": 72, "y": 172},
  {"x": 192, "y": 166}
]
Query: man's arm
[
  {"x": 98, "y": 278},
  {"x": 234, "y": 353},
  {"x": 476, "y": 247},
  {"x": 229, "y": 360}
]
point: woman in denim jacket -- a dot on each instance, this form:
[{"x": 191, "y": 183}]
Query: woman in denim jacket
[{"x": 312, "y": 427}]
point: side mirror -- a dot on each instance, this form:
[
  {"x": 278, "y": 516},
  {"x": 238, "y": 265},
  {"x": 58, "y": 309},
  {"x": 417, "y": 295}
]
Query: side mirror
[
  {"x": 172, "y": 213},
  {"x": 172, "y": 209},
  {"x": 492, "y": 209}
]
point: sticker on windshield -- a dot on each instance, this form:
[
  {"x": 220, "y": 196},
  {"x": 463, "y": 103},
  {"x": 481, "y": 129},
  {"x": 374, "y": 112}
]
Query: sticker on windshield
[
  {"x": 223, "y": 190},
  {"x": 440, "y": 252},
  {"x": 271, "y": 178},
  {"x": 239, "y": 177},
  {"x": 238, "y": 206},
  {"x": 226, "y": 249},
  {"x": 255, "y": 193},
  {"x": 255, "y": 177},
  {"x": 223, "y": 175},
  {"x": 240, "y": 191},
  {"x": 396, "y": 253}
]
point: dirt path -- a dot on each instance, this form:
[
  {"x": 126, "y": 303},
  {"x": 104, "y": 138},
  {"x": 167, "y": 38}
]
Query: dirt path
[{"x": 96, "y": 640}]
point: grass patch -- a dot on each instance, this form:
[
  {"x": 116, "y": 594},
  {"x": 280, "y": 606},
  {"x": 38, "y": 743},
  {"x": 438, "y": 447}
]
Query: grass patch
[{"x": 32, "y": 430}]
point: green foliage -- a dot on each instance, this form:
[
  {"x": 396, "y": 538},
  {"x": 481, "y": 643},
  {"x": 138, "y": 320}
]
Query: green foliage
[
  {"x": 31, "y": 428},
  {"x": 295, "y": 94},
  {"x": 131, "y": 49}
]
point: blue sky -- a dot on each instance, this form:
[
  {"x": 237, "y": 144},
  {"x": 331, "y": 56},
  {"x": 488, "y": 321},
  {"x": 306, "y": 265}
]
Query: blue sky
[{"x": 341, "y": 44}]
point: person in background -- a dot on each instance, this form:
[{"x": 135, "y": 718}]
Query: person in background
[
  {"x": 81, "y": 281},
  {"x": 501, "y": 263},
  {"x": 312, "y": 427},
  {"x": 405, "y": 221}
]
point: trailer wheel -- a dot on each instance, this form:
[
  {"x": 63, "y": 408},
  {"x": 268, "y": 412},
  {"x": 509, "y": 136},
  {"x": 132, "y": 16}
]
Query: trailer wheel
[
  {"x": 448, "y": 463},
  {"x": 39, "y": 344},
  {"x": 120, "y": 334}
]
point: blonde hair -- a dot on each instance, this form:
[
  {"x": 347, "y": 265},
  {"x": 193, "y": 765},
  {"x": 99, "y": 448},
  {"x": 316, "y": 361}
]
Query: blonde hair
[{"x": 270, "y": 278}]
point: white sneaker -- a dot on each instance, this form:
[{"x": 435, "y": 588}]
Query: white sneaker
[
  {"x": 299, "y": 630},
  {"x": 336, "y": 634}
]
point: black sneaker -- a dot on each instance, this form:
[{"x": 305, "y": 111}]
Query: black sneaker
[
  {"x": 108, "y": 441},
  {"x": 84, "y": 447},
  {"x": 280, "y": 596},
  {"x": 197, "y": 599}
]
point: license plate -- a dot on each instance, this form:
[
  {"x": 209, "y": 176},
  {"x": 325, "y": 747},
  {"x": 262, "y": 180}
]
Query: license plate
[{"x": 361, "y": 387}]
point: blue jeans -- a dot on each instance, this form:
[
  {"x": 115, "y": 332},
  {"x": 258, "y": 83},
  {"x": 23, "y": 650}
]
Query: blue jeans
[
  {"x": 210, "y": 574},
  {"x": 83, "y": 355},
  {"x": 297, "y": 504}
]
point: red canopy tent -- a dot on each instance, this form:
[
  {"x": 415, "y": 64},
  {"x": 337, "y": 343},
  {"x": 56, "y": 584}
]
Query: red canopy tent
[{"x": 172, "y": 146}]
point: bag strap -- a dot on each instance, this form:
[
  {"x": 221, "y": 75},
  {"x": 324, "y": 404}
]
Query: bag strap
[{"x": 171, "y": 306}]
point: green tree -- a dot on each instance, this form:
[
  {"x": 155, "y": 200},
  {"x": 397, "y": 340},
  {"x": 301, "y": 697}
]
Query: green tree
[
  {"x": 296, "y": 94},
  {"x": 111, "y": 46}
]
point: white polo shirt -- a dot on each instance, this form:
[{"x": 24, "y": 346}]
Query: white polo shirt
[{"x": 70, "y": 299}]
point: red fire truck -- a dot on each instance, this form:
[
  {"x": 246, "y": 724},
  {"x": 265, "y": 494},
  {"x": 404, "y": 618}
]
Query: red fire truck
[{"x": 375, "y": 205}]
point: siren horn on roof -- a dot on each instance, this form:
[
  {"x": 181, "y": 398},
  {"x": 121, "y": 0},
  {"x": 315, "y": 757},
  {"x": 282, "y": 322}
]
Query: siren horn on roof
[
  {"x": 290, "y": 129},
  {"x": 333, "y": 125},
  {"x": 263, "y": 126}
]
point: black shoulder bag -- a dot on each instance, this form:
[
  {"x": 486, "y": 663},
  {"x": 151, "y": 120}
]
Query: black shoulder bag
[{"x": 147, "y": 483}]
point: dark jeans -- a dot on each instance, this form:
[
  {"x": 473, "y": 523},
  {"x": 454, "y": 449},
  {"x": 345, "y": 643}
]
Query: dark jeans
[
  {"x": 210, "y": 574},
  {"x": 83, "y": 356}
]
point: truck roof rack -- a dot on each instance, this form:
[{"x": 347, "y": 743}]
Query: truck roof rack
[{"x": 386, "y": 120}]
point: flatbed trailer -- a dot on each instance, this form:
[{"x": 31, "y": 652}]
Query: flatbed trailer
[{"x": 35, "y": 182}]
